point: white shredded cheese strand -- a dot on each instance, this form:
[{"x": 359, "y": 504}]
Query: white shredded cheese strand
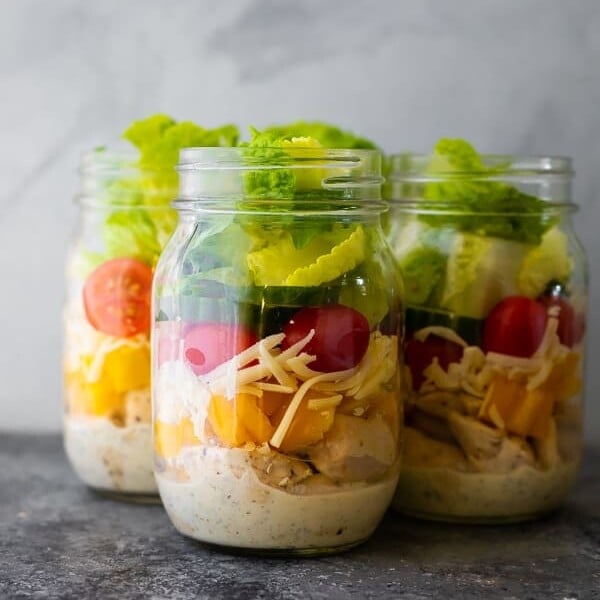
[
  {"x": 246, "y": 356},
  {"x": 296, "y": 348},
  {"x": 274, "y": 387},
  {"x": 276, "y": 370},
  {"x": 282, "y": 429},
  {"x": 504, "y": 360},
  {"x": 549, "y": 334},
  {"x": 251, "y": 389},
  {"x": 443, "y": 332},
  {"x": 324, "y": 403},
  {"x": 298, "y": 366}
]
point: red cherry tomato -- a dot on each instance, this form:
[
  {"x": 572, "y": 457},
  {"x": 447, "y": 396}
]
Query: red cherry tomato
[
  {"x": 515, "y": 326},
  {"x": 116, "y": 297},
  {"x": 419, "y": 355},
  {"x": 341, "y": 336},
  {"x": 207, "y": 345},
  {"x": 571, "y": 326}
]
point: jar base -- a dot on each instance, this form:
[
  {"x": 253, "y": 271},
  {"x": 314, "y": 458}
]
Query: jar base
[
  {"x": 279, "y": 552},
  {"x": 477, "y": 520},
  {"x": 131, "y": 498}
]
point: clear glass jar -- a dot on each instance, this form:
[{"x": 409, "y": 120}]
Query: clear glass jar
[
  {"x": 276, "y": 397},
  {"x": 125, "y": 220},
  {"x": 496, "y": 291}
]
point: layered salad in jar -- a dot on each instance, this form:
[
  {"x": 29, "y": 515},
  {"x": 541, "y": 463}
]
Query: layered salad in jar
[
  {"x": 125, "y": 221},
  {"x": 276, "y": 379},
  {"x": 495, "y": 290}
]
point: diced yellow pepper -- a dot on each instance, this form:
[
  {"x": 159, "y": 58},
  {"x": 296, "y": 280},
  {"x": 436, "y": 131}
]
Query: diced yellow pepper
[
  {"x": 97, "y": 399},
  {"x": 103, "y": 399},
  {"x": 509, "y": 405},
  {"x": 308, "y": 426},
  {"x": 170, "y": 438},
  {"x": 271, "y": 402},
  {"x": 565, "y": 378},
  {"x": 238, "y": 421},
  {"x": 128, "y": 368}
]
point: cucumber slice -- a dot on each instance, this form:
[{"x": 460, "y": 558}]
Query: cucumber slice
[{"x": 469, "y": 329}]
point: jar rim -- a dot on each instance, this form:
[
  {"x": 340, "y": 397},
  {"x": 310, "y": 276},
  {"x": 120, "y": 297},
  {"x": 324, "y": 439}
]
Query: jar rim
[
  {"x": 249, "y": 158},
  {"x": 106, "y": 161},
  {"x": 414, "y": 166}
]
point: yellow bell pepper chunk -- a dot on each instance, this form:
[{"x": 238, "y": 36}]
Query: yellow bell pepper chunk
[
  {"x": 128, "y": 368},
  {"x": 509, "y": 405},
  {"x": 238, "y": 421},
  {"x": 308, "y": 426},
  {"x": 96, "y": 399},
  {"x": 170, "y": 438}
]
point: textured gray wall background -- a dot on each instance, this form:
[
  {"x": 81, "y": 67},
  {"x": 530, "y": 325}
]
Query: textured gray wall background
[{"x": 510, "y": 75}]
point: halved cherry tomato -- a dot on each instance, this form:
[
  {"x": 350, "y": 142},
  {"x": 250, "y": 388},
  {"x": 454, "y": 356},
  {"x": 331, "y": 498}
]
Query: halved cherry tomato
[
  {"x": 419, "y": 355},
  {"x": 116, "y": 297},
  {"x": 341, "y": 336},
  {"x": 207, "y": 345},
  {"x": 571, "y": 326},
  {"x": 515, "y": 326}
]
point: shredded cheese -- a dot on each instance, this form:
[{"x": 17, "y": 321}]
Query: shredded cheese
[
  {"x": 279, "y": 435},
  {"x": 274, "y": 368},
  {"x": 324, "y": 403},
  {"x": 443, "y": 332}
]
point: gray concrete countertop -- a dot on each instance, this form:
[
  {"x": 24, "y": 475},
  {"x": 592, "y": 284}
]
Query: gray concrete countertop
[{"x": 59, "y": 540}]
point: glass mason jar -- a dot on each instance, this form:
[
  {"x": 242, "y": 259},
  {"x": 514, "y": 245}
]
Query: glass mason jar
[
  {"x": 125, "y": 220},
  {"x": 276, "y": 393},
  {"x": 495, "y": 290}
]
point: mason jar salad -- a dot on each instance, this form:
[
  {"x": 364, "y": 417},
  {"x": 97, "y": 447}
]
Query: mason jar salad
[
  {"x": 125, "y": 221},
  {"x": 495, "y": 290},
  {"x": 276, "y": 381}
]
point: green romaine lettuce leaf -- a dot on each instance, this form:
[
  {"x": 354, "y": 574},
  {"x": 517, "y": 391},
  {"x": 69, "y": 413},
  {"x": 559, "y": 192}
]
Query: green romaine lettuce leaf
[
  {"x": 547, "y": 262},
  {"x": 480, "y": 272},
  {"x": 143, "y": 231},
  {"x": 325, "y": 258},
  {"x": 328, "y": 135},
  {"x": 465, "y": 183},
  {"x": 422, "y": 270}
]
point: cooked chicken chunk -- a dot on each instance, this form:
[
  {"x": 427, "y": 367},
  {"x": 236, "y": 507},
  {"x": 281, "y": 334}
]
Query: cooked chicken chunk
[
  {"x": 434, "y": 427},
  {"x": 489, "y": 449},
  {"x": 442, "y": 403},
  {"x": 278, "y": 470},
  {"x": 355, "y": 449},
  {"x": 422, "y": 451}
]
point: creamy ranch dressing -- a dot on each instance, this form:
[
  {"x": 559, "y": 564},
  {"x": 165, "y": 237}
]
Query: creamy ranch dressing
[
  {"x": 524, "y": 492},
  {"x": 107, "y": 457},
  {"x": 219, "y": 499}
]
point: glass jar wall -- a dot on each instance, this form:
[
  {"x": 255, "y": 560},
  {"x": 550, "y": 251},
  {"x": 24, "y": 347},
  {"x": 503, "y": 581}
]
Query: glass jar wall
[
  {"x": 124, "y": 222},
  {"x": 495, "y": 290},
  {"x": 276, "y": 391}
]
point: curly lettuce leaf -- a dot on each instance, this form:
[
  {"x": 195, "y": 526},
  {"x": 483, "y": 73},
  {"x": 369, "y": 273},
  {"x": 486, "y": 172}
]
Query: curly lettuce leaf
[
  {"x": 422, "y": 269},
  {"x": 464, "y": 182},
  {"x": 329, "y": 136},
  {"x": 480, "y": 272},
  {"x": 550, "y": 261},
  {"x": 132, "y": 233},
  {"x": 144, "y": 230},
  {"x": 325, "y": 258}
]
